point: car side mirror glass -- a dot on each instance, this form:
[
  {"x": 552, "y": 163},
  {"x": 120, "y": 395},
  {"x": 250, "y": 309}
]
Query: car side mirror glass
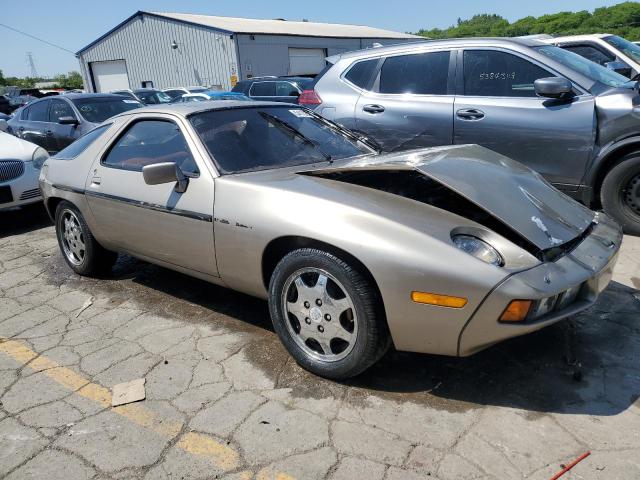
[
  {"x": 68, "y": 120},
  {"x": 619, "y": 67},
  {"x": 553, "y": 87},
  {"x": 166, "y": 172}
]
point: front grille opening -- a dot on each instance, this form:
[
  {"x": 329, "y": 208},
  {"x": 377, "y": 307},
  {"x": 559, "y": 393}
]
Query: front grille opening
[{"x": 416, "y": 186}]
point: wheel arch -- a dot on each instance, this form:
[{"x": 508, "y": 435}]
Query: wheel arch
[
  {"x": 50, "y": 204},
  {"x": 611, "y": 157},
  {"x": 279, "y": 247}
]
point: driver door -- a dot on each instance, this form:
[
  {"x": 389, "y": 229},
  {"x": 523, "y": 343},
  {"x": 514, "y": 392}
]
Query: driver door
[{"x": 154, "y": 221}]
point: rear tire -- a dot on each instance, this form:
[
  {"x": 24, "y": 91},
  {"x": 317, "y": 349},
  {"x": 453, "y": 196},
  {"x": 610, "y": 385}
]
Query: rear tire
[
  {"x": 79, "y": 249},
  {"x": 327, "y": 314},
  {"x": 620, "y": 193}
]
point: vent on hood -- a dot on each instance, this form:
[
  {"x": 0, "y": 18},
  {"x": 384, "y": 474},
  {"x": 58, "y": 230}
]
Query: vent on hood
[{"x": 416, "y": 186}]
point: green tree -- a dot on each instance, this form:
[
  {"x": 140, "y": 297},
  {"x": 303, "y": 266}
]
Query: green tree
[{"x": 622, "y": 19}]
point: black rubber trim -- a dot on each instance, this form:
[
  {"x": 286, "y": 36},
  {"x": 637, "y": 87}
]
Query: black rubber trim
[{"x": 137, "y": 203}]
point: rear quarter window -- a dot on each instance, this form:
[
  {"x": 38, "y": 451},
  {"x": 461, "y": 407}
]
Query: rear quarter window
[
  {"x": 81, "y": 144},
  {"x": 360, "y": 73}
]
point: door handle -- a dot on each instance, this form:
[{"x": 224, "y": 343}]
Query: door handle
[
  {"x": 470, "y": 114},
  {"x": 96, "y": 180},
  {"x": 49, "y": 133},
  {"x": 373, "y": 108}
]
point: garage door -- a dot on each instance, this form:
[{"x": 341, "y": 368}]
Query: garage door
[
  {"x": 110, "y": 75},
  {"x": 306, "y": 61}
]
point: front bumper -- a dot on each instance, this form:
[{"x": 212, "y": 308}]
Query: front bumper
[
  {"x": 20, "y": 191},
  {"x": 589, "y": 265}
]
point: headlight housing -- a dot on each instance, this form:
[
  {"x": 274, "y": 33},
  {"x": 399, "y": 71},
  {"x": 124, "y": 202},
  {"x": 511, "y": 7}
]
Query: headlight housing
[
  {"x": 478, "y": 248},
  {"x": 40, "y": 155}
]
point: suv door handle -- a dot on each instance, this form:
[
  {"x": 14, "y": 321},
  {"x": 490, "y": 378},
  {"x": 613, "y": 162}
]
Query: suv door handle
[
  {"x": 470, "y": 114},
  {"x": 371, "y": 108}
]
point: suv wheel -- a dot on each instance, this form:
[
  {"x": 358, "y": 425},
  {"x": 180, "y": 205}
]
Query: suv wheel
[
  {"x": 620, "y": 194},
  {"x": 327, "y": 314}
]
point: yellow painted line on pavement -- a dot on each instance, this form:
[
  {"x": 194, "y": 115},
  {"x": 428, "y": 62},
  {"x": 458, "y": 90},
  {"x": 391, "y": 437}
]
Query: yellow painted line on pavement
[{"x": 200, "y": 445}]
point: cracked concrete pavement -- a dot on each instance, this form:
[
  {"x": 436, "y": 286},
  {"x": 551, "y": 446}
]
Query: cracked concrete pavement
[{"x": 224, "y": 400}]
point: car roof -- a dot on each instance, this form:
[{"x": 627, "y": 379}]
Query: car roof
[
  {"x": 577, "y": 37},
  {"x": 185, "y": 109},
  {"x": 76, "y": 96},
  {"x": 449, "y": 42}
]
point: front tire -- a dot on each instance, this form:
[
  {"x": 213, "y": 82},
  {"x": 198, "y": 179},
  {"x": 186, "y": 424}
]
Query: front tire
[
  {"x": 327, "y": 314},
  {"x": 80, "y": 250},
  {"x": 620, "y": 194}
]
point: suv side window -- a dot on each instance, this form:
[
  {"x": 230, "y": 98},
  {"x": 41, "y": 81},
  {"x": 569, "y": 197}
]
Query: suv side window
[
  {"x": 361, "y": 72},
  {"x": 591, "y": 52},
  {"x": 147, "y": 142},
  {"x": 39, "y": 111},
  {"x": 490, "y": 73},
  {"x": 60, "y": 108},
  {"x": 263, "y": 89},
  {"x": 285, "y": 89},
  {"x": 422, "y": 73}
]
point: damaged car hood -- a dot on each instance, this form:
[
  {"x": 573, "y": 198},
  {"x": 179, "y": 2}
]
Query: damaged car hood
[{"x": 512, "y": 193}]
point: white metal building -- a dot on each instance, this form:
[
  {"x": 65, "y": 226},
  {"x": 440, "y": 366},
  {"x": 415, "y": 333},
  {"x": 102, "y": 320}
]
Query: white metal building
[{"x": 177, "y": 49}]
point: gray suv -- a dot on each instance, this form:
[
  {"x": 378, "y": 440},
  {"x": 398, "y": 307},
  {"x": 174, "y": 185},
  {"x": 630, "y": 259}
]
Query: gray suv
[{"x": 572, "y": 120}]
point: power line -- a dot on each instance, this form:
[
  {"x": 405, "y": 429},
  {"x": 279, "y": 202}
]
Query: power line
[{"x": 36, "y": 38}]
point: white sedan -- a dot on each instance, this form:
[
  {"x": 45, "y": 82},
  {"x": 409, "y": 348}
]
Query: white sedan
[{"x": 20, "y": 164}]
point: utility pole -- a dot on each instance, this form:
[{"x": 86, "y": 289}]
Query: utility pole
[{"x": 32, "y": 65}]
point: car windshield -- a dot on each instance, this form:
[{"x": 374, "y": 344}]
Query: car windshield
[
  {"x": 153, "y": 97},
  {"x": 586, "y": 67},
  {"x": 259, "y": 138},
  {"x": 97, "y": 110},
  {"x": 630, "y": 49}
]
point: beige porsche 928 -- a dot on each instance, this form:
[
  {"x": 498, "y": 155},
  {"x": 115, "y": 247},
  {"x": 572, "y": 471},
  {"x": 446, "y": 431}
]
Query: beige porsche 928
[{"x": 445, "y": 250}]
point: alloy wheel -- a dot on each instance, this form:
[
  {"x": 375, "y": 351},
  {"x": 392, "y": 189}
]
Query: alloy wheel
[
  {"x": 72, "y": 238},
  {"x": 321, "y": 317}
]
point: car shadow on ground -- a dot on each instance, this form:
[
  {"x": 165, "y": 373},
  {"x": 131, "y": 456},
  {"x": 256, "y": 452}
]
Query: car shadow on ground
[
  {"x": 586, "y": 365},
  {"x": 23, "y": 220}
]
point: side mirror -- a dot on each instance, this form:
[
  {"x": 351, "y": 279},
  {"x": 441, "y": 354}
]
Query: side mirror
[
  {"x": 166, "y": 172},
  {"x": 619, "y": 67},
  {"x": 3, "y": 126},
  {"x": 553, "y": 87},
  {"x": 68, "y": 120}
]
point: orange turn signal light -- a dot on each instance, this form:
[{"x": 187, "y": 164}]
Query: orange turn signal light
[
  {"x": 439, "y": 300},
  {"x": 517, "y": 311}
]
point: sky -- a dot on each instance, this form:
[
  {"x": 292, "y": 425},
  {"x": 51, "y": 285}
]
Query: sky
[{"x": 72, "y": 24}]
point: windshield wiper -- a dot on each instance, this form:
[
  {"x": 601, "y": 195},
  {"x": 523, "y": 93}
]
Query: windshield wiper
[
  {"x": 296, "y": 132},
  {"x": 353, "y": 134}
]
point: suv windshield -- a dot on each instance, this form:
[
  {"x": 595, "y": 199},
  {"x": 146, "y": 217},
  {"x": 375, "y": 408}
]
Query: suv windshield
[
  {"x": 631, "y": 50},
  {"x": 259, "y": 138},
  {"x": 589, "y": 69},
  {"x": 153, "y": 97},
  {"x": 97, "y": 110}
]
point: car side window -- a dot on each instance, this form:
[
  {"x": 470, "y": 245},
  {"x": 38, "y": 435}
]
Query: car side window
[
  {"x": 490, "y": 73},
  {"x": 81, "y": 144},
  {"x": 263, "y": 89},
  {"x": 25, "y": 114},
  {"x": 39, "y": 111},
  {"x": 591, "y": 53},
  {"x": 285, "y": 89},
  {"x": 147, "y": 142},
  {"x": 360, "y": 73},
  {"x": 422, "y": 73},
  {"x": 60, "y": 108}
]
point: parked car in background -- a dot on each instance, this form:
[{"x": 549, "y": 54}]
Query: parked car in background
[
  {"x": 146, "y": 96},
  {"x": 177, "y": 92},
  {"x": 446, "y": 250},
  {"x": 274, "y": 89},
  {"x": 54, "y": 123},
  {"x": 570, "y": 119},
  {"x": 5, "y": 105},
  {"x": 208, "y": 95},
  {"x": 20, "y": 164},
  {"x": 611, "y": 51}
]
